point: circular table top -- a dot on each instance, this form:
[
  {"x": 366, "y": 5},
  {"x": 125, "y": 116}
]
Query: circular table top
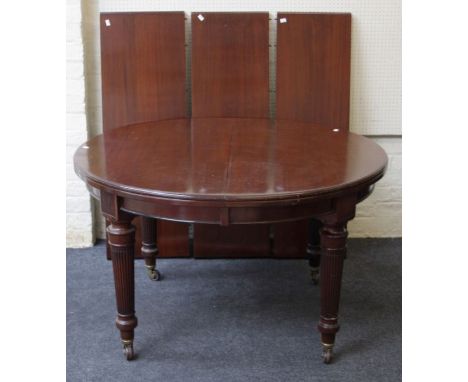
[{"x": 230, "y": 159}]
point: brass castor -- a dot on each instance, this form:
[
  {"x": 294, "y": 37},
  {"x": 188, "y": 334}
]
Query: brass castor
[
  {"x": 315, "y": 275},
  {"x": 153, "y": 273},
  {"x": 327, "y": 353},
  {"x": 128, "y": 349}
]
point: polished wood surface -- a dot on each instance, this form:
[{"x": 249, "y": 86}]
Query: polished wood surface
[
  {"x": 313, "y": 68},
  {"x": 230, "y": 79},
  {"x": 142, "y": 67},
  {"x": 230, "y": 65},
  {"x": 333, "y": 237},
  {"x": 290, "y": 239},
  {"x": 143, "y": 79},
  {"x": 173, "y": 239},
  {"x": 313, "y": 58},
  {"x": 121, "y": 240},
  {"x": 234, "y": 241},
  {"x": 214, "y": 159}
]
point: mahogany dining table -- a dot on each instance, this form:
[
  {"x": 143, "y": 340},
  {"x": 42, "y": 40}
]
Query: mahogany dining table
[{"x": 228, "y": 171}]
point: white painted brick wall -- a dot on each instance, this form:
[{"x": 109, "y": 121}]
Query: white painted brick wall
[
  {"x": 380, "y": 214},
  {"x": 79, "y": 217},
  {"x": 376, "y": 65}
]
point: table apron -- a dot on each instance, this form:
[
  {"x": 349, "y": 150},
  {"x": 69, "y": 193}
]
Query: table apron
[
  {"x": 227, "y": 215},
  {"x": 217, "y": 212}
]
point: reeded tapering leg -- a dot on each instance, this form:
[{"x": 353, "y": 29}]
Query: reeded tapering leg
[
  {"x": 121, "y": 239},
  {"x": 333, "y": 242},
  {"x": 313, "y": 249},
  {"x": 149, "y": 249}
]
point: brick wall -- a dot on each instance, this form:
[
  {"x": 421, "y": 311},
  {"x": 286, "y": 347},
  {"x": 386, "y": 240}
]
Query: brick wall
[
  {"x": 79, "y": 217},
  {"x": 380, "y": 214}
]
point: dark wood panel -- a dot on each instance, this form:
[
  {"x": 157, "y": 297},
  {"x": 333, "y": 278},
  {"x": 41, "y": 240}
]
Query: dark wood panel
[
  {"x": 233, "y": 241},
  {"x": 230, "y": 79},
  {"x": 290, "y": 239},
  {"x": 230, "y": 65},
  {"x": 143, "y": 67},
  {"x": 173, "y": 239},
  {"x": 312, "y": 85},
  {"x": 143, "y": 79},
  {"x": 313, "y": 68}
]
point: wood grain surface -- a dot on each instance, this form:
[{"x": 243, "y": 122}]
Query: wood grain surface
[
  {"x": 230, "y": 65},
  {"x": 230, "y": 79},
  {"x": 313, "y": 85},
  {"x": 274, "y": 164},
  {"x": 143, "y": 79},
  {"x": 313, "y": 68}
]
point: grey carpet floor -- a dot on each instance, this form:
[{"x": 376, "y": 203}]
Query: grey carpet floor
[{"x": 236, "y": 320}]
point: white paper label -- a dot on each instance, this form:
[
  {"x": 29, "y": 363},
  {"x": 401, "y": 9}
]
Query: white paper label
[
  {"x": 283, "y": 20},
  {"x": 200, "y": 17},
  {"x": 108, "y": 23}
]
